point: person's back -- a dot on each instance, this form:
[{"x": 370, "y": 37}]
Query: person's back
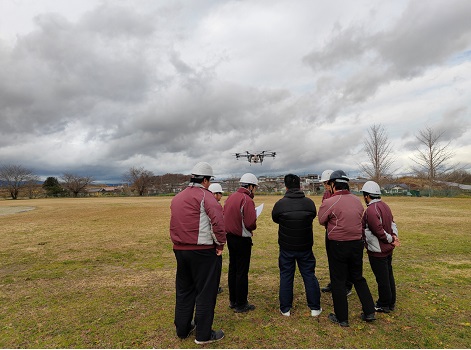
[
  {"x": 294, "y": 214},
  {"x": 198, "y": 236},
  {"x": 342, "y": 214},
  {"x": 328, "y": 194},
  {"x": 379, "y": 228},
  {"x": 240, "y": 221},
  {"x": 380, "y": 234},
  {"x": 189, "y": 227},
  {"x": 239, "y": 212}
]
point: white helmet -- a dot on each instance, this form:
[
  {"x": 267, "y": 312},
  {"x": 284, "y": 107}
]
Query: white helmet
[
  {"x": 371, "y": 187},
  {"x": 202, "y": 169},
  {"x": 215, "y": 188},
  {"x": 249, "y": 179},
  {"x": 326, "y": 175}
]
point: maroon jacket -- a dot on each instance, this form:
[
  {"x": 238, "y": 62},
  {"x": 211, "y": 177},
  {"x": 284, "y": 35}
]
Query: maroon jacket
[
  {"x": 326, "y": 195},
  {"x": 379, "y": 228},
  {"x": 240, "y": 217},
  {"x": 341, "y": 214},
  {"x": 196, "y": 220}
]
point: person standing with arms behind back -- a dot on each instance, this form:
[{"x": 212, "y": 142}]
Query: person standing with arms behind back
[
  {"x": 294, "y": 214},
  {"x": 342, "y": 215},
  {"x": 380, "y": 232},
  {"x": 198, "y": 236},
  {"x": 240, "y": 221}
]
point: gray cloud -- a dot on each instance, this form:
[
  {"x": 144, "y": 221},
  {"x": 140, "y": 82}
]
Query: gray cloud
[
  {"x": 454, "y": 124},
  {"x": 361, "y": 61},
  {"x": 159, "y": 86}
]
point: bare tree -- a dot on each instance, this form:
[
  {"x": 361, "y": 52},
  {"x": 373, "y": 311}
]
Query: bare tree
[
  {"x": 378, "y": 150},
  {"x": 75, "y": 184},
  {"x": 432, "y": 155},
  {"x": 140, "y": 179},
  {"x": 459, "y": 176},
  {"x": 232, "y": 184},
  {"x": 32, "y": 186},
  {"x": 168, "y": 183},
  {"x": 15, "y": 177}
]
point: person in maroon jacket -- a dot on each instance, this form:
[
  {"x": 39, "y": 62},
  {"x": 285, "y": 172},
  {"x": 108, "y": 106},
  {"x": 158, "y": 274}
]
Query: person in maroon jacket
[
  {"x": 198, "y": 236},
  {"x": 216, "y": 190},
  {"x": 380, "y": 234},
  {"x": 327, "y": 194},
  {"x": 342, "y": 215},
  {"x": 240, "y": 222}
]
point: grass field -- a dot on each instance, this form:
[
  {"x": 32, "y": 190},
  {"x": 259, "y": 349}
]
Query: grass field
[{"x": 99, "y": 273}]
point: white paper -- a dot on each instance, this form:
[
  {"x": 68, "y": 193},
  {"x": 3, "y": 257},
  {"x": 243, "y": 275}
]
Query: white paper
[{"x": 259, "y": 209}]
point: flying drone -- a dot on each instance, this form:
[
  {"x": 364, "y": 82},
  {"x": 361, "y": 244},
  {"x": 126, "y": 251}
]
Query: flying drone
[{"x": 255, "y": 157}]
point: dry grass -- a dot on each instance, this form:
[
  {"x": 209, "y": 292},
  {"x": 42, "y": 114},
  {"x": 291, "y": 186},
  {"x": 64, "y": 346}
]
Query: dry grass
[{"x": 99, "y": 273}]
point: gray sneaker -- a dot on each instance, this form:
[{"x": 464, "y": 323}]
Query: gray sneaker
[{"x": 215, "y": 336}]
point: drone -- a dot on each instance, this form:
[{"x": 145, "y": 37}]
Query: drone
[{"x": 255, "y": 157}]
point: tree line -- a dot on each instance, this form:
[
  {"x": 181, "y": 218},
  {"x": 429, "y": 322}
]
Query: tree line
[
  {"x": 15, "y": 178},
  {"x": 432, "y": 160},
  {"x": 432, "y": 163}
]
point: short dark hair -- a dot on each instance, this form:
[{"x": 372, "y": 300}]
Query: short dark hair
[
  {"x": 341, "y": 186},
  {"x": 199, "y": 179},
  {"x": 292, "y": 181},
  {"x": 372, "y": 196}
]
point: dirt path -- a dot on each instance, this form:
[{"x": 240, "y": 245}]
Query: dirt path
[{"x": 14, "y": 210}]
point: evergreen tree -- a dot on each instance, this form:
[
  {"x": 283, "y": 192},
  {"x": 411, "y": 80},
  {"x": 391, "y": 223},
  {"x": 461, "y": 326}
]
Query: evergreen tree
[{"x": 53, "y": 187}]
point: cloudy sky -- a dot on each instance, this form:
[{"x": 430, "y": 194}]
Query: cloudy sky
[{"x": 96, "y": 87}]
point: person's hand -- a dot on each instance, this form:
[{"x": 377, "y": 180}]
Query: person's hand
[
  {"x": 218, "y": 252},
  {"x": 396, "y": 242}
]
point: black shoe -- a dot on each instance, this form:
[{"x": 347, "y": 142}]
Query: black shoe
[
  {"x": 368, "y": 318},
  {"x": 215, "y": 336},
  {"x": 327, "y": 289},
  {"x": 334, "y": 319},
  {"x": 392, "y": 307},
  {"x": 246, "y": 308},
  {"x": 384, "y": 309},
  {"x": 192, "y": 329},
  {"x": 219, "y": 290},
  {"x": 232, "y": 305}
]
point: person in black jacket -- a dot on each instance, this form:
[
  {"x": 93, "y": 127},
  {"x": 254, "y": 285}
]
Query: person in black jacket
[{"x": 295, "y": 213}]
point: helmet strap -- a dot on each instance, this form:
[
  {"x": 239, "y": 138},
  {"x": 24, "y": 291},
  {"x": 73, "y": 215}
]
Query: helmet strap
[{"x": 331, "y": 187}]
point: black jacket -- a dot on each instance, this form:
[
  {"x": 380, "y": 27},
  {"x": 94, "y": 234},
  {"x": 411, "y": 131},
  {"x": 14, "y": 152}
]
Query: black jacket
[{"x": 294, "y": 213}]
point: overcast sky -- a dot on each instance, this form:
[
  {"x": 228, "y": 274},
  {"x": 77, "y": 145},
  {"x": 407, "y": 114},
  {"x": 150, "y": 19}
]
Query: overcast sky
[{"x": 97, "y": 87}]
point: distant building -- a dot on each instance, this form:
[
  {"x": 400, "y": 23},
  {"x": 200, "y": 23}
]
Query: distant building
[
  {"x": 109, "y": 190},
  {"x": 395, "y": 189}
]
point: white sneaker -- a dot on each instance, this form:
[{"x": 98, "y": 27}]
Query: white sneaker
[
  {"x": 316, "y": 313},
  {"x": 287, "y": 313}
]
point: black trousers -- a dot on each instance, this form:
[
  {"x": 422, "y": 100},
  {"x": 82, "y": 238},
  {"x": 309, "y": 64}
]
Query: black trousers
[
  {"x": 346, "y": 261},
  {"x": 348, "y": 284},
  {"x": 382, "y": 268},
  {"x": 240, "y": 251},
  {"x": 197, "y": 281}
]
